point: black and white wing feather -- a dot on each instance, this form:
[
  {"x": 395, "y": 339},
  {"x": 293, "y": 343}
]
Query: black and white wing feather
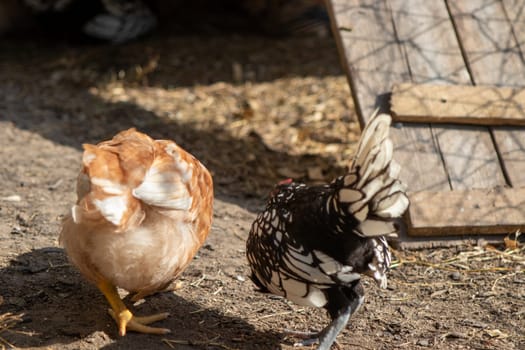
[{"x": 371, "y": 192}]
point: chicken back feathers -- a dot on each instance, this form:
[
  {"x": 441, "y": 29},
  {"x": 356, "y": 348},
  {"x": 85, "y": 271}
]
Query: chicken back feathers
[{"x": 144, "y": 208}]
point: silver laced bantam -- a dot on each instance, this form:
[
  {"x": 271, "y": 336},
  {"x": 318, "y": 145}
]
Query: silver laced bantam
[{"x": 312, "y": 244}]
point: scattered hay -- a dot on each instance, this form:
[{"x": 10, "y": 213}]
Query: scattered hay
[
  {"x": 507, "y": 262},
  {"x": 8, "y": 321}
]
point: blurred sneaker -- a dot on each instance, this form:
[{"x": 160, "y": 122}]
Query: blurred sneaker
[{"x": 124, "y": 20}]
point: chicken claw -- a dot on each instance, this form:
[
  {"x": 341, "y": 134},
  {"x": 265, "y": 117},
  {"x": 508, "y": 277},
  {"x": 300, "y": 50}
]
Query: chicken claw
[
  {"x": 124, "y": 318},
  {"x": 126, "y": 321}
]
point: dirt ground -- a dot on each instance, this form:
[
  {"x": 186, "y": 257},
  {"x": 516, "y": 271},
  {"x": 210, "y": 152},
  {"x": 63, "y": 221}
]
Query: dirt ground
[{"x": 255, "y": 110}]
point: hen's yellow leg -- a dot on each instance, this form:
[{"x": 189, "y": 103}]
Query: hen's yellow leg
[{"x": 124, "y": 318}]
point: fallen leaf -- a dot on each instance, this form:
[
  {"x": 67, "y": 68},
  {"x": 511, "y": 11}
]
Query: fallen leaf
[{"x": 511, "y": 244}]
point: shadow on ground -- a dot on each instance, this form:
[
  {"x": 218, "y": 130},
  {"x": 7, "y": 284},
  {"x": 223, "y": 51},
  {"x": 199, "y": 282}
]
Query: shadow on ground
[{"x": 52, "y": 295}]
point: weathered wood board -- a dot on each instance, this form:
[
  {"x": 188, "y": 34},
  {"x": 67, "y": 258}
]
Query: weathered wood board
[
  {"x": 488, "y": 41},
  {"x": 433, "y": 54},
  {"x": 511, "y": 141},
  {"x": 463, "y": 43},
  {"x": 511, "y": 147},
  {"x": 515, "y": 10},
  {"x": 458, "y": 104},
  {"x": 463, "y": 212},
  {"x": 493, "y": 41},
  {"x": 373, "y": 62}
]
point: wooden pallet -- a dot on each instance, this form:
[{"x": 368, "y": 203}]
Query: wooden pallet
[
  {"x": 447, "y": 166},
  {"x": 458, "y": 104}
]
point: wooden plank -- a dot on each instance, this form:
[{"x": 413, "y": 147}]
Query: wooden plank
[
  {"x": 415, "y": 149},
  {"x": 515, "y": 11},
  {"x": 483, "y": 211},
  {"x": 511, "y": 142},
  {"x": 458, "y": 104},
  {"x": 486, "y": 35},
  {"x": 373, "y": 62},
  {"x": 434, "y": 55},
  {"x": 470, "y": 158},
  {"x": 494, "y": 57},
  {"x": 429, "y": 42},
  {"x": 511, "y": 146},
  {"x": 368, "y": 46},
  {"x": 404, "y": 241}
]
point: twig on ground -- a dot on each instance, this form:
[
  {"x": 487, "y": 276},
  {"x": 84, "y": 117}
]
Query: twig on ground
[
  {"x": 171, "y": 342},
  {"x": 7, "y": 321},
  {"x": 239, "y": 236},
  {"x": 197, "y": 282},
  {"x": 500, "y": 278},
  {"x": 274, "y": 315}
]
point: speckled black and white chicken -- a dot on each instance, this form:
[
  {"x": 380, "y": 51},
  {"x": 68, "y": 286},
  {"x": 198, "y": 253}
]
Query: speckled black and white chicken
[{"x": 312, "y": 244}]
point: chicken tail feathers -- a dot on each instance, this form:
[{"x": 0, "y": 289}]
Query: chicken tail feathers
[{"x": 371, "y": 191}]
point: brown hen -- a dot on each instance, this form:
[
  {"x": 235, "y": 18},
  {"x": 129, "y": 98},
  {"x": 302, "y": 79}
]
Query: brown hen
[{"x": 144, "y": 208}]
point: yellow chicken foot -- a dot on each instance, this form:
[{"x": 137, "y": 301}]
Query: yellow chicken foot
[
  {"x": 124, "y": 318},
  {"x": 126, "y": 321}
]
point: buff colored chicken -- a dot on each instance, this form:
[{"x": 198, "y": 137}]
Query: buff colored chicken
[{"x": 144, "y": 208}]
